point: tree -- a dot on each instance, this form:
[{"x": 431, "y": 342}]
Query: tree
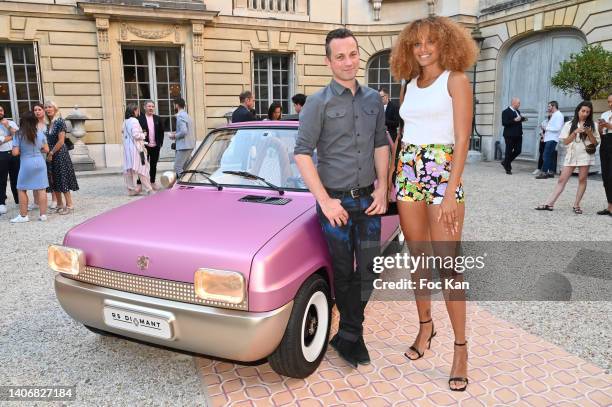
[{"x": 588, "y": 73}]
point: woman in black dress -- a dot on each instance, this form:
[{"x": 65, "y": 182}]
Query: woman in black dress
[{"x": 63, "y": 179}]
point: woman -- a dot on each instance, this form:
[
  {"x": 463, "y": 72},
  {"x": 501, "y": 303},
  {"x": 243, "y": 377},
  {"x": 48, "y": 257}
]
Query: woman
[
  {"x": 575, "y": 135},
  {"x": 30, "y": 144},
  {"x": 433, "y": 53},
  {"x": 39, "y": 112},
  {"x": 275, "y": 111},
  {"x": 63, "y": 178},
  {"x": 135, "y": 160}
]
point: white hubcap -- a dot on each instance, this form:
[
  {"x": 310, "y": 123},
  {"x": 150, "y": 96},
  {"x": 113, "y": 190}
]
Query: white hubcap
[{"x": 318, "y": 327}]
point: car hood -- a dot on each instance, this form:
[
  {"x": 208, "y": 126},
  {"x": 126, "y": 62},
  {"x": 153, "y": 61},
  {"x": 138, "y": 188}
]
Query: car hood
[{"x": 183, "y": 229}]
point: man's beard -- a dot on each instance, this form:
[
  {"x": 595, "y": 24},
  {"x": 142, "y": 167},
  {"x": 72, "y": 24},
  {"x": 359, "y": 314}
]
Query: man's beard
[{"x": 1, "y": 117}]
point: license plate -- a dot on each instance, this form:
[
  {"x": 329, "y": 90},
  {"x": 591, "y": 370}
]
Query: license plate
[{"x": 137, "y": 322}]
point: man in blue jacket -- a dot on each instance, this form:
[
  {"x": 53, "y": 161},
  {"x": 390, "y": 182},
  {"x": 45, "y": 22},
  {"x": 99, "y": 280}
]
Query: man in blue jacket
[{"x": 184, "y": 135}]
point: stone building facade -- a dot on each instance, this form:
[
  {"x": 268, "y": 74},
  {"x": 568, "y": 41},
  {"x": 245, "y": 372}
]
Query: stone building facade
[{"x": 100, "y": 54}]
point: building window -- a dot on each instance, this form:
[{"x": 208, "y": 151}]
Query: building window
[
  {"x": 379, "y": 75},
  {"x": 273, "y": 82},
  {"x": 154, "y": 74},
  {"x": 19, "y": 79}
]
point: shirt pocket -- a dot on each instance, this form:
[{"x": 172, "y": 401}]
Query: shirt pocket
[
  {"x": 370, "y": 113},
  {"x": 335, "y": 121}
]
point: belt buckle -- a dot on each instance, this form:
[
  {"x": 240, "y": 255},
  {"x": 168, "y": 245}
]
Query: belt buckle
[{"x": 355, "y": 193}]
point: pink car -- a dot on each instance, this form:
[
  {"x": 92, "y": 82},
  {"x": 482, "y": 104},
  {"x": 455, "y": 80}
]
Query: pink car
[{"x": 229, "y": 262}]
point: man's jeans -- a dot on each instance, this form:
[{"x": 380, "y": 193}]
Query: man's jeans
[
  {"x": 9, "y": 168},
  {"x": 549, "y": 157},
  {"x": 357, "y": 242}
]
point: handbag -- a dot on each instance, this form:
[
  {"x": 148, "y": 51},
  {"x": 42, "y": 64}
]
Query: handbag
[
  {"x": 143, "y": 159},
  {"x": 69, "y": 144},
  {"x": 589, "y": 148}
]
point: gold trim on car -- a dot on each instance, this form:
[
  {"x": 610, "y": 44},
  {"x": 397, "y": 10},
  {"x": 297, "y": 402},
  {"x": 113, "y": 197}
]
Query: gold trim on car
[{"x": 152, "y": 287}]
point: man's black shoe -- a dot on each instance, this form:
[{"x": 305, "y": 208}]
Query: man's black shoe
[
  {"x": 509, "y": 172},
  {"x": 361, "y": 352},
  {"x": 345, "y": 349},
  {"x": 604, "y": 212}
]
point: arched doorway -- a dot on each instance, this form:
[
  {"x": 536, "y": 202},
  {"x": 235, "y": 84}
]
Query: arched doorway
[{"x": 527, "y": 67}]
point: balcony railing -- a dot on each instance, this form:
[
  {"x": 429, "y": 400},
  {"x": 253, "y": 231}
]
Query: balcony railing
[{"x": 282, "y": 6}]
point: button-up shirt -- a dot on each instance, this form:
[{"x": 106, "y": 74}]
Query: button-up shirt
[
  {"x": 554, "y": 126},
  {"x": 151, "y": 130},
  {"x": 4, "y": 133},
  {"x": 345, "y": 130}
]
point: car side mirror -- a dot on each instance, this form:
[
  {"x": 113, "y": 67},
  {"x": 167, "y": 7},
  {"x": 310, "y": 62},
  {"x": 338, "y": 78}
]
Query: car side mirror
[{"x": 168, "y": 179}]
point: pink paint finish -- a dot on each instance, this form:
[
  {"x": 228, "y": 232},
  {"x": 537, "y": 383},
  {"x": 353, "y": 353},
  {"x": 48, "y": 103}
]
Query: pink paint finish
[{"x": 195, "y": 227}]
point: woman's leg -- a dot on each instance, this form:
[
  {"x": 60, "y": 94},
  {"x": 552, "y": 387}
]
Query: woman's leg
[
  {"x": 58, "y": 199},
  {"x": 41, "y": 194},
  {"x": 566, "y": 173},
  {"x": 145, "y": 181},
  {"x": 23, "y": 202},
  {"x": 68, "y": 199},
  {"x": 445, "y": 243},
  {"x": 583, "y": 173},
  {"x": 415, "y": 227}
]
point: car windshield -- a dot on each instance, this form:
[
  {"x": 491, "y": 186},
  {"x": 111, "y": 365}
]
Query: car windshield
[{"x": 264, "y": 152}]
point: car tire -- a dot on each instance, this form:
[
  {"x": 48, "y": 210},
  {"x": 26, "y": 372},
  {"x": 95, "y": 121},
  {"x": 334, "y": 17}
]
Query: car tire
[
  {"x": 98, "y": 331},
  {"x": 305, "y": 341}
]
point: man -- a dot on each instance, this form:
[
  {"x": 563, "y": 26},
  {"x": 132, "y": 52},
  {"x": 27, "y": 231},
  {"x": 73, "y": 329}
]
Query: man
[
  {"x": 392, "y": 117},
  {"x": 9, "y": 165},
  {"x": 513, "y": 133},
  {"x": 244, "y": 112},
  {"x": 605, "y": 154},
  {"x": 184, "y": 136},
  {"x": 551, "y": 139},
  {"x": 299, "y": 100},
  {"x": 152, "y": 124},
  {"x": 345, "y": 123}
]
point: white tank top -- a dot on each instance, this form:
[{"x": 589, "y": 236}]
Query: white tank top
[{"x": 428, "y": 113}]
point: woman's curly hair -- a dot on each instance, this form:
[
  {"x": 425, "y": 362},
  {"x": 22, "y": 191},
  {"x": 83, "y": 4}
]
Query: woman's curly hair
[{"x": 458, "y": 51}]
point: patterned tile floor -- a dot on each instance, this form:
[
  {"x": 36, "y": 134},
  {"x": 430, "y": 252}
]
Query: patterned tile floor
[{"x": 508, "y": 366}]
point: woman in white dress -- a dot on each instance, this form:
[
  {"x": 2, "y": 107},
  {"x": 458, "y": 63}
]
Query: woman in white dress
[
  {"x": 576, "y": 135},
  {"x": 135, "y": 160}
]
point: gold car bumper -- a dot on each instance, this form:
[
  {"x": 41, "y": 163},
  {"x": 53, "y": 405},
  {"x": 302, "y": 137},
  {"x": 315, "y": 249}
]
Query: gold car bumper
[{"x": 230, "y": 334}]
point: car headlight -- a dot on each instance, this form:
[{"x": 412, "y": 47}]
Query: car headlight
[
  {"x": 219, "y": 285},
  {"x": 66, "y": 259}
]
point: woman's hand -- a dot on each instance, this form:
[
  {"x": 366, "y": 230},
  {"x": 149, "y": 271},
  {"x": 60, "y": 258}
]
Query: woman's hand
[
  {"x": 447, "y": 213},
  {"x": 50, "y": 156}
]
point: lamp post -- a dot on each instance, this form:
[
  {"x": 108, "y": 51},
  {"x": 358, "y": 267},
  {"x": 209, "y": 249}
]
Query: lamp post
[{"x": 475, "y": 138}]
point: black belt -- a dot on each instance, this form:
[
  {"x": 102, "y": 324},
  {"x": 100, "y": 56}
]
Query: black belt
[{"x": 353, "y": 193}]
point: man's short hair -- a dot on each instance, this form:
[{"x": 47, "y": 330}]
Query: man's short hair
[
  {"x": 180, "y": 102},
  {"x": 554, "y": 104},
  {"x": 338, "y": 33},
  {"x": 384, "y": 90},
  {"x": 299, "y": 99},
  {"x": 146, "y": 102},
  {"x": 247, "y": 94}
]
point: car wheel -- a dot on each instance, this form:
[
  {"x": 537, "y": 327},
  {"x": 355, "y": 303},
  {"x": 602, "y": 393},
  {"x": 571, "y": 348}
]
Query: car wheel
[
  {"x": 98, "y": 331},
  {"x": 305, "y": 341}
]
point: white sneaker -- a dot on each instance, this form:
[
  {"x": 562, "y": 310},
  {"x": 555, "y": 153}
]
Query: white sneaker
[
  {"x": 20, "y": 219},
  {"x": 42, "y": 218},
  {"x": 536, "y": 172},
  {"x": 32, "y": 206},
  {"x": 53, "y": 205},
  {"x": 2, "y": 209}
]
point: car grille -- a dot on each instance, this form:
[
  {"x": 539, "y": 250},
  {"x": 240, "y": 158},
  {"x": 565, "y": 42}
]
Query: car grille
[{"x": 151, "y": 287}]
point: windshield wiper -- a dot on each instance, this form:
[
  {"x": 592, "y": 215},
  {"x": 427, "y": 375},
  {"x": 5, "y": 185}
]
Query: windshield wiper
[
  {"x": 248, "y": 175},
  {"x": 206, "y": 175}
]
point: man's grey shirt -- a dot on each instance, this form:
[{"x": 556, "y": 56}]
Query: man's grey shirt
[{"x": 345, "y": 130}]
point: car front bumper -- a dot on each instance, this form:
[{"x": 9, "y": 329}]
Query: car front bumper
[{"x": 223, "y": 333}]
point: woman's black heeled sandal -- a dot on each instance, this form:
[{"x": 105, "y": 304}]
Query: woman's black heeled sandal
[
  {"x": 415, "y": 350},
  {"x": 458, "y": 379}
]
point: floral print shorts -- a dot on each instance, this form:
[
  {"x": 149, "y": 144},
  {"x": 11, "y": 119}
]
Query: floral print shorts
[{"x": 423, "y": 172}]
